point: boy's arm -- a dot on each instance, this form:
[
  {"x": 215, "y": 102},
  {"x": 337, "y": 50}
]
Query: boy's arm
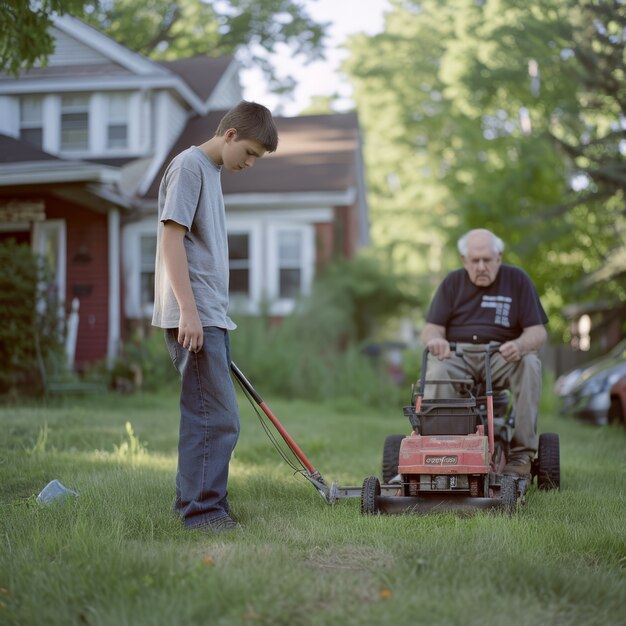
[{"x": 190, "y": 334}]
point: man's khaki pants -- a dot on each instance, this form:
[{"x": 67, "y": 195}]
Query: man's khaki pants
[{"x": 523, "y": 378}]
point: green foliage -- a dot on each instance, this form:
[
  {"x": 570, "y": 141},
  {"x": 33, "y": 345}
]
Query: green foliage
[
  {"x": 316, "y": 352},
  {"x": 143, "y": 363},
  {"x": 24, "y": 24},
  {"x": 131, "y": 449},
  {"x": 29, "y": 323},
  {"x": 366, "y": 290},
  {"x": 175, "y": 29},
  {"x": 294, "y": 360},
  {"x": 320, "y": 105},
  {"x": 168, "y": 30},
  {"x": 506, "y": 115}
]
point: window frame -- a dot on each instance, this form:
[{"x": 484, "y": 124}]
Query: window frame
[
  {"x": 133, "y": 268},
  {"x": 35, "y": 124},
  {"x": 113, "y": 120},
  {"x": 251, "y": 303},
  {"x": 284, "y": 305}
]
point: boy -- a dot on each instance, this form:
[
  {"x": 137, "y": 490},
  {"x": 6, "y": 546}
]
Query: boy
[{"x": 191, "y": 302}]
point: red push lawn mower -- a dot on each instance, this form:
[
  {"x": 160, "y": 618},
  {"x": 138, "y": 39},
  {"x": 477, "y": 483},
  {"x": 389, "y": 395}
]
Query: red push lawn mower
[{"x": 451, "y": 461}]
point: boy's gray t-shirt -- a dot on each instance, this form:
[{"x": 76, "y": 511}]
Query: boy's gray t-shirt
[{"x": 191, "y": 195}]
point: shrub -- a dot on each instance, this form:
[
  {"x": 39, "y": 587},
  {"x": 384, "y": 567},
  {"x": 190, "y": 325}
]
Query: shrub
[
  {"x": 143, "y": 363},
  {"x": 30, "y": 331},
  {"x": 316, "y": 353}
]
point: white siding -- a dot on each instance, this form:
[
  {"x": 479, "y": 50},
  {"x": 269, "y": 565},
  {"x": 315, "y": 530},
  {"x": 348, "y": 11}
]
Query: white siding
[
  {"x": 170, "y": 119},
  {"x": 227, "y": 92},
  {"x": 10, "y": 116},
  {"x": 69, "y": 51},
  {"x": 141, "y": 122},
  {"x": 52, "y": 124}
]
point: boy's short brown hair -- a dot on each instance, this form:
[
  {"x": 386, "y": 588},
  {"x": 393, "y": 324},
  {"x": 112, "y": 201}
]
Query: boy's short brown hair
[{"x": 251, "y": 121}]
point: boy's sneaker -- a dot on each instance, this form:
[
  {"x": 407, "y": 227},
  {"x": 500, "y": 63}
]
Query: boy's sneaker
[
  {"x": 517, "y": 467},
  {"x": 222, "y": 524}
]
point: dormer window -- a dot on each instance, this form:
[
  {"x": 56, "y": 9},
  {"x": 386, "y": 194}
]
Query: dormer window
[
  {"x": 117, "y": 121},
  {"x": 75, "y": 122},
  {"x": 31, "y": 120}
]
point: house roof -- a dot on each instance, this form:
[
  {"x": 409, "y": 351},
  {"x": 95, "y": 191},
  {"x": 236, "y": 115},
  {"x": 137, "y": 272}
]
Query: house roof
[
  {"x": 86, "y": 59},
  {"x": 201, "y": 73},
  {"x": 15, "y": 151},
  {"x": 22, "y": 163},
  {"x": 317, "y": 153}
]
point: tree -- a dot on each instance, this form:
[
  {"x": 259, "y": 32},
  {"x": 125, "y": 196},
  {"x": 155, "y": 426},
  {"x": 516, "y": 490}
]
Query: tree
[
  {"x": 554, "y": 72},
  {"x": 173, "y": 29},
  {"x": 24, "y": 25},
  {"x": 505, "y": 114},
  {"x": 169, "y": 29},
  {"x": 399, "y": 96}
]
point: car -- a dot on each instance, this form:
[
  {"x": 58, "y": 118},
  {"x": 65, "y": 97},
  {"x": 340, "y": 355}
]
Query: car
[
  {"x": 589, "y": 398},
  {"x": 566, "y": 382},
  {"x": 617, "y": 407}
]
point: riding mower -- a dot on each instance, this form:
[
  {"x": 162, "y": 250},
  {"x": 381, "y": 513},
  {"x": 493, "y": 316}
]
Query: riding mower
[
  {"x": 454, "y": 457},
  {"x": 452, "y": 460}
]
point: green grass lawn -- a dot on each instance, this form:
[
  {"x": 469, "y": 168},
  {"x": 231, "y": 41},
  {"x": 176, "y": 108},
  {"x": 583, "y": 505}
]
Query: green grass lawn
[{"x": 117, "y": 556}]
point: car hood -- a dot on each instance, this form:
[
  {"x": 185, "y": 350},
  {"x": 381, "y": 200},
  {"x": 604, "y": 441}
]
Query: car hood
[{"x": 601, "y": 371}]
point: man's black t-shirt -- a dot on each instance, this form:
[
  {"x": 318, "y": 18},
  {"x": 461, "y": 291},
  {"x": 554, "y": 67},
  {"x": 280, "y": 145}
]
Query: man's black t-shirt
[{"x": 499, "y": 312}]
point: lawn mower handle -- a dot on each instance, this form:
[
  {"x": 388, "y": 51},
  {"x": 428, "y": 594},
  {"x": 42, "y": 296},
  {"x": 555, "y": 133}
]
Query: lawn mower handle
[{"x": 310, "y": 472}]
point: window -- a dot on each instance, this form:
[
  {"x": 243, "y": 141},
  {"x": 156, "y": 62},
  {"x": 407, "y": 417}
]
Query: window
[
  {"x": 117, "y": 121},
  {"x": 289, "y": 263},
  {"x": 75, "y": 122},
  {"x": 148, "y": 253},
  {"x": 239, "y": 262},
  {"x": 31, "y": 120}
]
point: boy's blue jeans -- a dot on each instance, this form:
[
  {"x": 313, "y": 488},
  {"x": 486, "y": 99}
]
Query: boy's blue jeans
[{"x": 209, "y": 426}]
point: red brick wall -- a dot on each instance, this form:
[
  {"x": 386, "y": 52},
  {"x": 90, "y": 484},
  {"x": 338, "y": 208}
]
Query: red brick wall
[
  {"x": 346, "y": 233},
  {"x": 339, "y": 239}
]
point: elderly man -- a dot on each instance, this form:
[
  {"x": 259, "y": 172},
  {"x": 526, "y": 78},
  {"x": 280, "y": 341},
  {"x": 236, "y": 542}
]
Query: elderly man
[{"x": 488, "y": 301}]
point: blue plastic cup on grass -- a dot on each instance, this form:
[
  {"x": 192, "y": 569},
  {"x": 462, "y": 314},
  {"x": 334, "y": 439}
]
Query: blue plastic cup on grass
[{"x": 54, "y": 491}]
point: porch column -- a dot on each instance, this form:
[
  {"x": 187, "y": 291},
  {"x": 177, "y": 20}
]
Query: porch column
[{"x": 113, "y": 342}]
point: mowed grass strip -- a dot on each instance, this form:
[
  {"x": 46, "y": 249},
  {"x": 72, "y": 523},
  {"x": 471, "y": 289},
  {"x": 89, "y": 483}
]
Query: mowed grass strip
[{"x": 117, "y": 555}]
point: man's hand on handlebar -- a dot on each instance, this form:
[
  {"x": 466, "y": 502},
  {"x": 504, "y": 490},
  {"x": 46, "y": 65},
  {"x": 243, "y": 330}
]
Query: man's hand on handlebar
[{"x": 439, "y": 347}]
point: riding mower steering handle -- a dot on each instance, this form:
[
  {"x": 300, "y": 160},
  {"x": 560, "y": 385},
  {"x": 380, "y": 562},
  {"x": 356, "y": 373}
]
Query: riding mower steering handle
[{"x": 457, "y": 348}]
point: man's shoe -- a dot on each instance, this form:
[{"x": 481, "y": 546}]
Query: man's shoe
[
  {"x": 222, "y": 524},
  {"x": 517, "y": 467}
]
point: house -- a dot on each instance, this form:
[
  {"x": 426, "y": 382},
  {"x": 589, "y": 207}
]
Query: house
[{"x": 83, "y": 145}]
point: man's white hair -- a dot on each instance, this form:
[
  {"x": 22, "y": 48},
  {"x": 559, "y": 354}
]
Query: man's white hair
[{"x": 497, "y": 245}]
